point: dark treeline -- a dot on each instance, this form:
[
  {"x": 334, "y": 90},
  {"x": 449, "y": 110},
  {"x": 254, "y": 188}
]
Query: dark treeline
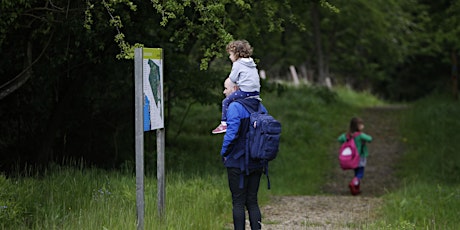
[{"x": 66, "y": 76}]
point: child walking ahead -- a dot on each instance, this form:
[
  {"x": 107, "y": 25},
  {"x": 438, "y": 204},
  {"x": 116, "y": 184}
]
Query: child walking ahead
[
  {"x": 244, "y": 74},
  {"x": 356, "y": 128}
]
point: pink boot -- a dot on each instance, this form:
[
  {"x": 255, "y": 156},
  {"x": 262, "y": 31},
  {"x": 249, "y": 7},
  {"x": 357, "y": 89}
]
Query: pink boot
[{"x": 354, "y": 186}]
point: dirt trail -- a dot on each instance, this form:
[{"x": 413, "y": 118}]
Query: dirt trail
[{"x": 329, "y": 211}]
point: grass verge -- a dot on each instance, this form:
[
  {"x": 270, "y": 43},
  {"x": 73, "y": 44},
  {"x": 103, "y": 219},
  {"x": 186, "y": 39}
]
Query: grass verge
[{"x": 430, "y": 169}]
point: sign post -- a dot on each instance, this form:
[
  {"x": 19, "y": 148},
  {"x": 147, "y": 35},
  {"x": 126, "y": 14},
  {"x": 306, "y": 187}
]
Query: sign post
[
  {"x": 148, "y": 101},
  {"x": 139, "y": 137}
]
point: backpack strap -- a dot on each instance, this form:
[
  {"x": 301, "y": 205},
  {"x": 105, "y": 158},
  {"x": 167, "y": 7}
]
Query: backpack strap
[
  {"x": 349, "y": 135},
  {"x": 245, "y": 131},
  {"x": 355, "y": 134},
  {"x": 264, "y": 162},
  {"x": 265, "y": 166}
]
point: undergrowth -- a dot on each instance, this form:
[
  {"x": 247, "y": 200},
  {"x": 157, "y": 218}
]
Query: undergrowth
[{"x": 429, "y": 197}]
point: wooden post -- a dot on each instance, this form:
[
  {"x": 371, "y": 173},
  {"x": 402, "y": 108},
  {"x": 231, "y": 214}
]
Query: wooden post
[
  {"x": 294, "y": 75},
  {"x": 262, "y": 74},
  {"x": 304, "y": 73}
]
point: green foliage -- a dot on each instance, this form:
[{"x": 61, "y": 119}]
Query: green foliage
[
  {"x": 73, "y": 198},
  {"x": 203, "y": 19},
  {"x": 382, "y": 225},
  {"x": 328, "y": 96},
  {"x": 11, "y": 207},
  {"x": 77, "y": 100},
  {"x": 372, "y": 51},
  {"x": 63, "y": 198},
  {"x": 192, "y": 203},
  {"x": 358, "y": 99},
  {"x": 423, "y": 205},
  {"x": 430, "y": 128},
  {"x": 328, "y": 5},
  {"x": 444, "y": 20},
  {"x": 429, "y": 168}
]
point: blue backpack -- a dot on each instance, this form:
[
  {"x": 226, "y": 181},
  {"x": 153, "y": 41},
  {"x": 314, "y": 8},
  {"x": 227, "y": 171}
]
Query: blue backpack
[{"x": 264, "y": 137}]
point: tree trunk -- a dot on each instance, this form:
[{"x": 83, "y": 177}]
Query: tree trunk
[
  {"x": 454, "y": 75},
  {"x": 318, "y": 45},
  {"x": 327, "y": 76}
]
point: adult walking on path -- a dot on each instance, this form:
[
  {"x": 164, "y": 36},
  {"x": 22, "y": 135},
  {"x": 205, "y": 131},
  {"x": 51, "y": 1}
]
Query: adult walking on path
[{"x": 328, "y": 211}]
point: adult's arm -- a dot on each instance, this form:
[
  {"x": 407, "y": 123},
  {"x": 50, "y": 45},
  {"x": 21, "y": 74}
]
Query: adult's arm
[{"x": 233, "y": 124}]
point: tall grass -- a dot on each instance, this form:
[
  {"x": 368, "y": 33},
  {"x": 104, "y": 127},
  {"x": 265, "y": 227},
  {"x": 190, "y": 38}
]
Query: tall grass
[
  {"x": 430, "y": 169},
  {"x": 358, "y": 99},
  {"x": 73, "y": 198},
  {"x": 197, "y": 194},
  {"x": 67, "y": 198}
]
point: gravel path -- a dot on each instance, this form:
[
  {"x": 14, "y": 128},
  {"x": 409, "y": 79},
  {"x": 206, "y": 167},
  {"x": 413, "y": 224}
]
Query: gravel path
[{"x": 337, "y": 209}]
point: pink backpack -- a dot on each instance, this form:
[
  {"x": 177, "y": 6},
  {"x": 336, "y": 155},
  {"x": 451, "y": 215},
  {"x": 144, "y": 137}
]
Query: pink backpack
[{"x": 348, "y": 153}]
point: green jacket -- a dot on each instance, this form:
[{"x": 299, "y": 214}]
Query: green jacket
[{"x": 360, "y": 142}]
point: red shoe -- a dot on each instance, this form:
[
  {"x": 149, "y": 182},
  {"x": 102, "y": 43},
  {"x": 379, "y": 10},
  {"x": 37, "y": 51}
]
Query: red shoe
[
  {"x": 220, "y": 129},
  {"x": 354, "y": 186},
  {"x": 357, "y": 191}
]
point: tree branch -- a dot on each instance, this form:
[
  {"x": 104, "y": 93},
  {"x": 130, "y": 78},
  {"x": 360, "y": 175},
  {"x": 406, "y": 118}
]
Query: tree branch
[{"x": 15, "y": 83}]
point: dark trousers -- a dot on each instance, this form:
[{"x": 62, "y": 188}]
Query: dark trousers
[
  {"x": 233, "y": 97},
  {"x": 245, "y": 197},
  {"x": 359, "y": 172}
]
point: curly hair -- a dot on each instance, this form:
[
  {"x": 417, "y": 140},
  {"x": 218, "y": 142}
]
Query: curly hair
[{"x": 241, "y": 48}]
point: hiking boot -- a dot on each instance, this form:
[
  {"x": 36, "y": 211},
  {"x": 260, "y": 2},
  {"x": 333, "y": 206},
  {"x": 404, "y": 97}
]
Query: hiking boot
[
  {"x": 356, "y": 190},
  {"x": 354, "y": 186},
  {"x": 220, "y": 129}
]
